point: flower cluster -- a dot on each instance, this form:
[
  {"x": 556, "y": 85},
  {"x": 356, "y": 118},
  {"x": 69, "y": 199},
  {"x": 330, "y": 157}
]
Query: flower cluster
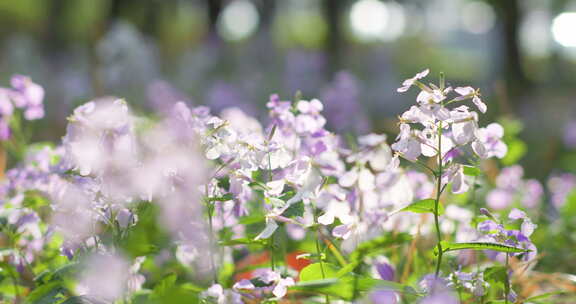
[
  {"x": 24, "y": 95},
  {"x": 432, "y": 129},
  {"x": 510, "y": 187},
  {"x": 516, "y": 233},
  {"x": 225, "y": 202}
]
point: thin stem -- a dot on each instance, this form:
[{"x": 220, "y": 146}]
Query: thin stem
[
  {"x": 318, "y": 251},
  {"x": 15, "y": 285},
  {"x": 271, "y": 248},
  {"x": 439, "y": 189},
  {"x": 335, "y": 251},
  {"x": 211, "y": 232},
  {"x": 12, "y": 241},
  {"x": 507, "y": 283}
]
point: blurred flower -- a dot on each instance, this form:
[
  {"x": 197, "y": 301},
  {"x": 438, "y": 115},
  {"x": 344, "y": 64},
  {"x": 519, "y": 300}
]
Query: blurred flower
[
  {"x": 560, "y": 187},
  {"x": 343, "y": 107},
  {"x": 25, "y": 95},
  {"x": 570, "y": 134},
  {"x": 512, "y": 188},
  {"x": 437, "y": 289},
  {"x": 104, "y": 277}
]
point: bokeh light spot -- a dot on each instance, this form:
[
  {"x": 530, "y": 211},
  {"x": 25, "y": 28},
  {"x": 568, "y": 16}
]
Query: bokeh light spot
[
  {"x": 239, "y": 20},
  {"x": 564, "y": 29},
  {"x": 477, "y": 17}
]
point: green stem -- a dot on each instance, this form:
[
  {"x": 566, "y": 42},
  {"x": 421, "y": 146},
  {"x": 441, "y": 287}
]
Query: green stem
[
  {"x": 335, "y": 251},
  {"x": 211, "y": 239},
  {"x": 507, "y": 283},
  {"x": 437, "y": 200},
  {"x": 271, "y": 248},
  {"x": 318, "y": 251},
  {"x": 14, "y": 278}
]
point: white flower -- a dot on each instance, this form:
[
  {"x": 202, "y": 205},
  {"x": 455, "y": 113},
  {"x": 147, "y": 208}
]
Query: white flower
[
  {"x": 469, "y": 92},
  {"x": 410, "y": 81},
  {"x": 489, "y": 142},
  {"x": 282, "y": 287},
  {"x": 270, "y": 228},
  {"x": 407, "y": 145}
]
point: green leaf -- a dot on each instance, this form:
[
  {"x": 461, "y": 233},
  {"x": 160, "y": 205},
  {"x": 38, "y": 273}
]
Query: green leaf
[
  {"x": 447, "y": 246},
  {"x": 223, "y": 198},
  {"x": 516, "y": 150},
  {"x": 342, "y": 287},
  {"x": 472, "y": 171},
  {"x": 147, "y": 236},
  {"x": 512, "y": 126},
  {"x": 243, "y": 241},
  {"x": 252, "y": 219},
  {"x": 315, "y": 284},
  {"x": 58, "y": 274},
  {"x": 81, "y": 300},
  {"x": 373, "y": 247},
  {"x": 424, "y": 206},
  {"x": 568, "y": 210},
  {"x": 296, "y": 209},
  {"x": 46, "y": 293},
  {"x": 225, "y": 275},
  {"x": 164, "y": 285},
  {"x": 547, "y": 295},
  {"x": 496, "y": 275},
  {"x": 258, "y": 186}
]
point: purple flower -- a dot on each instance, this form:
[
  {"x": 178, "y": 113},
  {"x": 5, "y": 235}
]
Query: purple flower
[
  {"x": 533, "y": 193},
  {"x": 384, "y": 296},
  {"x": 26, "y": 93},
  {"x": 4, "y": 130},
  {"x": 437, "y": 289},
  {"x": 497, "y": 233},
  {"x": 6, "y": 107},
  {"x": 560, "y": 186},
  {"x": 386, "y": 271},
  {"x": 499, "y": 199},
  {"x": 343, "y": 107},
  {"x": 570, "y": 134}
]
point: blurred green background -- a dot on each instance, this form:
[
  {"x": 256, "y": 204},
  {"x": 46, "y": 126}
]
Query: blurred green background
[{"x": 352, "y": 54}]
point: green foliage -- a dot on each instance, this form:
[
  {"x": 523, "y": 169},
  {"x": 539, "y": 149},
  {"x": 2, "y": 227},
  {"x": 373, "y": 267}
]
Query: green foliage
[
  {"x": 146, "y": 237},
  {"x": 472, "y": 171},
  {"x": 424, "y": 206},
  {"x": 295, "y": 210},
  {"x": 516, "y": 150},
  {"x": 447, "y": 246},
  {"x": 516, "y": 147},
  {"x": 244, "y": 241},
  {"x": 223, "y": 198},
  {"x": 342, "y": 286},
  {"x": 373, "y": 247}
]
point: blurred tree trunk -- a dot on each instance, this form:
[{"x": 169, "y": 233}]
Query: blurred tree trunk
[
  {"x": 152, "y": 16},
  {"x": 214, "y": 8},
  {"x": 264, "y": 36},
  {"x": 266, "y": 9},
  {"x": 55, "y": 37},
  {"x": 332, "y": 10},
  {"x": 114, "y": 12},
  {"x": 510, "y": 16}
]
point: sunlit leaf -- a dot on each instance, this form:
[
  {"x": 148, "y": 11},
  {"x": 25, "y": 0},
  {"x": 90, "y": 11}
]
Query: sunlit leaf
[
  {"x": 447, "y": 246},
  {"x": 424, "y": 206}
]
